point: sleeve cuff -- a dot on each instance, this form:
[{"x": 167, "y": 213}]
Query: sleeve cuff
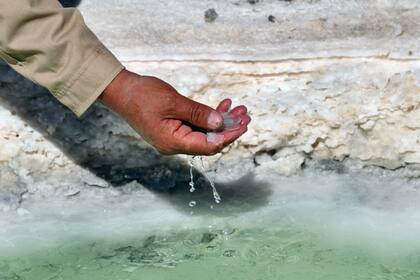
[{"x": 90, "y": 81}]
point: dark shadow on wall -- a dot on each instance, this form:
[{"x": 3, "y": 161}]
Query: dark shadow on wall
[
  {"x": 104, "y": 144},
  {"x": 99, "y": 141},
  {"x": 70, "y": 3}
]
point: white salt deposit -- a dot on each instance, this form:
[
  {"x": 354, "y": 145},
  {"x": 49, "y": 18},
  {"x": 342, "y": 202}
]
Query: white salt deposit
[{"x": 230, "y": 122}]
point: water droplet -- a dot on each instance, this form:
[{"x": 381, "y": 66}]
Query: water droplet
[
  {"x": 192, "y": 203},
  {"x": 216, "y": 195},
  {"x": 191, "y": 184}
]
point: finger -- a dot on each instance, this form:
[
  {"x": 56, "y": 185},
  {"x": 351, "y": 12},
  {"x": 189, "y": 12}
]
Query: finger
[
  {"x": 231, "y": 136},
  {"x": 231, "y": 122},
  {"x": 245, "y": 119},
  {"x": 196, "y": 143},
  {"x": 187, "y": 141},
  {"x": 197, "y": 114},
  {"x": 224, "y": 106},
  {"x": 228, "y": 136},
  {"x": 182, "y": 130},
  {"x": 238, "y": 110}
]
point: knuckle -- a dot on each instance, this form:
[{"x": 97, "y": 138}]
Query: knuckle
[
  {"x": 165, "y": 151},
  {"x": 215, "y": 150},
  {"x": 196, "y": 114},
  {"x": 211, "y": 153},
  {"x": 168, "y": 102},
  {"x": 170, "y": 109}
]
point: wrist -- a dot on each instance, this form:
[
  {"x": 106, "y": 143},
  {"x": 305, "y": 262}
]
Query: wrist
[
  {"x": 111, "y": 96},
  {"x": 115, "y": 86}
]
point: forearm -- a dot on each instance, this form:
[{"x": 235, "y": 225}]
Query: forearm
[{"x": 53, "y": 47}]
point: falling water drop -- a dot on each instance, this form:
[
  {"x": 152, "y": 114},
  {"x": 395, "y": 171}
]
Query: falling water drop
[
  {"x": 216, "y": 195},
  {"x": 191, "y": 184},
  {"x": 192, "y": 203}
]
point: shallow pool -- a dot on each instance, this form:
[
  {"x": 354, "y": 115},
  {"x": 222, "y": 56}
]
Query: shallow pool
[{"x": 320, "y": 225}]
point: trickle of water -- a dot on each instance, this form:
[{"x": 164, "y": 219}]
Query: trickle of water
[
  {"x": 216, "y": 195},
  {"x": 192, "y": 203},
  {"x": 191, "y": 184}
]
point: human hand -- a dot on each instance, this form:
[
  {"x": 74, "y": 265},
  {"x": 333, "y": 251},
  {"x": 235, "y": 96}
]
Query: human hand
[{"x": 171, "y": 122}]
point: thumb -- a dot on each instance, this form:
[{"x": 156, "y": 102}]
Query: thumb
[{"x": 198, "y": 114}]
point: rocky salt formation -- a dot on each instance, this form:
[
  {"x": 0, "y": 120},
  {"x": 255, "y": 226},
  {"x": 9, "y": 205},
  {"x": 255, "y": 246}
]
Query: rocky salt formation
[
  {"x": 328, "y": 81},
  {"x": 330, "y": 108}
]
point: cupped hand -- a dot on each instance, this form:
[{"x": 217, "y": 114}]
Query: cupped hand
[{"x": 171, "y": 122}]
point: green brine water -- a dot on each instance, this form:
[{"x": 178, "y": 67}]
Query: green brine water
[{"x": 315, "y": 226}]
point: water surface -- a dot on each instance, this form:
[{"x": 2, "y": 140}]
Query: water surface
[{"x": 315, "y": 226}]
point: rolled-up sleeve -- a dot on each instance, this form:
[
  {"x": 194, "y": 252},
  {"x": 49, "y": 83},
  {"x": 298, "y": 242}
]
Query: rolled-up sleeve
[{"x": 53, "y": 47}]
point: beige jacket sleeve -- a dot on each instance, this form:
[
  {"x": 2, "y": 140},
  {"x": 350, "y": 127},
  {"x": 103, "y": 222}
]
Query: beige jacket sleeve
[{"x": 53, "y": 47}]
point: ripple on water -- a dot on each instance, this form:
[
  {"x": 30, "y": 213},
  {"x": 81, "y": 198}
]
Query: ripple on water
[{"x": 230, "y": 253}]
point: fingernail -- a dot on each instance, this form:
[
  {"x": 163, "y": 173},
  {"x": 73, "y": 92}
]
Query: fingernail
[
  {"x": 215, "y": 138},
  {"x": 215, "y": 120}
]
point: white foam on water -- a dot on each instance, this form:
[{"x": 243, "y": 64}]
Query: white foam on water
[{"x": 382, "y": 212}]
